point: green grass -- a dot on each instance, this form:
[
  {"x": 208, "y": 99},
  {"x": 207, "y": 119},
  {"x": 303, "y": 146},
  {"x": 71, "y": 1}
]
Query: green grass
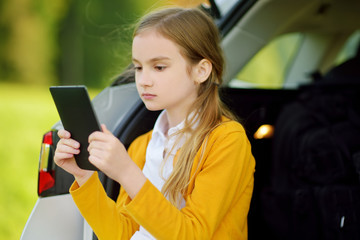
[{"x": 26, "y": 113}]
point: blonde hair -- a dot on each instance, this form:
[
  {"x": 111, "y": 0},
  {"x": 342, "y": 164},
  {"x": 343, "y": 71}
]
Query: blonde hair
[{"x": 197, "y": 37}]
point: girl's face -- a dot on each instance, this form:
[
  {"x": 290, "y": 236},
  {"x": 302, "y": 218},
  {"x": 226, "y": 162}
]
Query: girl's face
[{"x": 162, "y": 77}]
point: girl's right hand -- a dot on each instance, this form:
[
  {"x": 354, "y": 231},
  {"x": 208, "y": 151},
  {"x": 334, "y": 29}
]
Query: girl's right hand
[{"x": 64, "y": 157}]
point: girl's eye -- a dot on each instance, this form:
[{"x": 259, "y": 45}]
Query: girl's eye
[
  {"x": 160, "y": 68},
  {"x": 137, "y": 68}
]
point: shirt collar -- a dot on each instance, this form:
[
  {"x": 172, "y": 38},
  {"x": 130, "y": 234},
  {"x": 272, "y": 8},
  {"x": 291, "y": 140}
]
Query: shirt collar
[
  {"x": 169, "y": 141},
  {"x": 161, "y": 125}
]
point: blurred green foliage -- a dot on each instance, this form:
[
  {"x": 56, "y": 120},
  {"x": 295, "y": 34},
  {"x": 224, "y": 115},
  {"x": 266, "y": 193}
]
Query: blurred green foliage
[
  {"x": 67, "y": 41},
  {"x": 28, "y": 39},
  {"x": 26, "y": 113}
]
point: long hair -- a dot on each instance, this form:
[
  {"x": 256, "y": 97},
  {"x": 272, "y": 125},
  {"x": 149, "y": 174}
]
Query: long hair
[{"x": 198, "y": 38}]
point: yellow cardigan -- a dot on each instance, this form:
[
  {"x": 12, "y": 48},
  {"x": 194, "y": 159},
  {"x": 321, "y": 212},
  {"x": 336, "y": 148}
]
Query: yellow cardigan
[{"x": 217, "y": 199}]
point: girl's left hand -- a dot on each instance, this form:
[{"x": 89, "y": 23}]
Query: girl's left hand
[{"x": 109, "y": 155}]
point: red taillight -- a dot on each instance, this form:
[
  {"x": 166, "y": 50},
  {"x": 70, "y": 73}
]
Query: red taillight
[
  {"x": 48, "y": 138},
  {"x": 46, "y": 181},
  {"x": 46, "y": 173}
]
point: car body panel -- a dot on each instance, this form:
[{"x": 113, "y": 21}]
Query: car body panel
[{"x": 49, "y": 222}]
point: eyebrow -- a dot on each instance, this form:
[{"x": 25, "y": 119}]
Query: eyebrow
[{"x": 155, "y": 59}]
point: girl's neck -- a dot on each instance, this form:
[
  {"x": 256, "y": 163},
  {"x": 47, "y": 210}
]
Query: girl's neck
[{"x": 175, "y": 117}]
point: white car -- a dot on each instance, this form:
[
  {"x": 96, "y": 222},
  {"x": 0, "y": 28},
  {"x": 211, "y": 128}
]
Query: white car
[{"x": 272, "y": 49}]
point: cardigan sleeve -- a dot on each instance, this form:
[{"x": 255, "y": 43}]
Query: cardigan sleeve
[
  {"x": 222, "y": 185},
  {"x": 101, "y": 212},
  {"x": 108, "y": 219}
]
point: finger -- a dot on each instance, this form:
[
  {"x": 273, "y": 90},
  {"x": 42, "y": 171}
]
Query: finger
[
  {"x": 95, "y": 161},
  {"x": 101, "y": 136},
  {"x": 62, "y": 133},
  {"x": 98, "y": 158},
  {"x": 69, "y": 142},
  {"x": 97, "y": 145},
  {"x": 62, "y": 156},
  {"x": 105, "y": 130},
  {"x": 100, "y": 154},
  {"x": 61, "y": 148},
  {"x": 96, "y": 136}
]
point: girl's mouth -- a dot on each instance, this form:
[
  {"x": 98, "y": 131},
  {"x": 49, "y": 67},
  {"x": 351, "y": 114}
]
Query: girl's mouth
[{"x": 148, "y": 96}]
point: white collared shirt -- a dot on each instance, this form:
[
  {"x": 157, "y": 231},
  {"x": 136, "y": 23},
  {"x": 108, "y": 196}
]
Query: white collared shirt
[{"x": 161, "y": 142}]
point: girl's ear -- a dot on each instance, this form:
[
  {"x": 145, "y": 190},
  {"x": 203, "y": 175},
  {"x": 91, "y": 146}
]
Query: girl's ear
[{"x": 202, "y": 71}]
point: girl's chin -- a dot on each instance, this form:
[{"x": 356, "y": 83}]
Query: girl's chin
[{"x": 151, "y": 107}]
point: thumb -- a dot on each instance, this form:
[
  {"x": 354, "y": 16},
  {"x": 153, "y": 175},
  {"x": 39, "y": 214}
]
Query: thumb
[{"x": 104, "y": 129}]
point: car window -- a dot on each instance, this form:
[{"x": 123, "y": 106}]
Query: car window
[
  {"x": 225, "y": 6},
  {"x": 350, "y": 48},
  {"x": 267, "y": 69}
]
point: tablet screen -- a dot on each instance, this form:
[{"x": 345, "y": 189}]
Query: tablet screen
[{"x": 78, "y": 117}]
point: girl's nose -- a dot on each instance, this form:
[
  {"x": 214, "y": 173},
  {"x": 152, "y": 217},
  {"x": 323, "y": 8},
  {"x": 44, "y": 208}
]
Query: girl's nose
[{"x": 144, "y": 79}]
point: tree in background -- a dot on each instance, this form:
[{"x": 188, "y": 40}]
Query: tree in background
[
  {"x": 27, "y": 39},
  {"x": 69, "y": 41},
  {"x": 95, "y": 38}
]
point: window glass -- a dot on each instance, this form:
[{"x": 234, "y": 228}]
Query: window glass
[
  {"x": 350, "y": 48},
  {"x": 225, "y": 5},
  {"x": 267, "y": 69}
]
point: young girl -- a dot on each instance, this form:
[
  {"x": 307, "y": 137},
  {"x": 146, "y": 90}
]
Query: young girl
[{"x": 191, "y": 177}]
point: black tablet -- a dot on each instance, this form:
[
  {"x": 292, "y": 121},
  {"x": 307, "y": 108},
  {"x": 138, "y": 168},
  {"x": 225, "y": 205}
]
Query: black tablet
[{"x": 78, "y": 117}]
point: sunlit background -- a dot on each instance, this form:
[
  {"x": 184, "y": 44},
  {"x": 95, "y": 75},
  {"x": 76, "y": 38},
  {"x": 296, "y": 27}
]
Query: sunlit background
[{"x": 44, "y": 43}]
